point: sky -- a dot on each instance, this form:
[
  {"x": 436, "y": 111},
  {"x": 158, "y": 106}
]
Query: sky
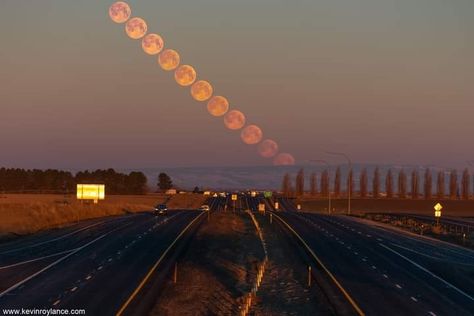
[{"x": 384, "y": 81}]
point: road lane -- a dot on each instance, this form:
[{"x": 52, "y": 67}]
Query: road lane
[
  {"x": 381, "y": 281},
  {"x": 100, "y": 277}
]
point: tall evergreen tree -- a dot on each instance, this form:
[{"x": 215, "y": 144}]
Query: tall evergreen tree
[
  {"x": 363, "y": 183},
  {"x": 376, "y": 183},
  {"x": 389, "y": 184},
  {"x": 428, "y": 184}
]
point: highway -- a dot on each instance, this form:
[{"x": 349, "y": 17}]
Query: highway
[
  {"x": 389, "y": 272},
  {"x": 95, "y": 265}
]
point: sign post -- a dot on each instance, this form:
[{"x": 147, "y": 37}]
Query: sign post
[
  {"x": 234, "y": 198},
  {"x": 438, "y": 207},
  {"x": 93, "y": 192}
]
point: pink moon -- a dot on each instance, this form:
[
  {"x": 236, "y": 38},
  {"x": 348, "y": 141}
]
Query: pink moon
[
  {"x": 136, "y": 28},
  {"x": 284, "y": 159},
  {"x": 268, "y": 148},
  {"x": 120, "y": 12},
  {"x": 234, "y": 120},
  {"x": 251, "y": 135}
]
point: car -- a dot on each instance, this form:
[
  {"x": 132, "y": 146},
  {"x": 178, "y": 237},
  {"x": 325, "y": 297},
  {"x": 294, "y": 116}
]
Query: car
[
  {"x": 161, "y": 209},
  {"x": 205, "y": 208}
]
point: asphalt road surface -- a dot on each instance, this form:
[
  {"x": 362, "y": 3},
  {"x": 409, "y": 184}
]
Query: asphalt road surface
[
  {"x": 389, "y": 272},
  {"x": 94, "y": 265}
]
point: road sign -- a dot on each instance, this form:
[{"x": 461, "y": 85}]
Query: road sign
[
  {"x": 437, "y": 213},
  {"x": 234, "y": 197},
  {"x": 438, "y": 207},
  {"x": 267, "y": 194},
  {"x": 94, "y": 192}
]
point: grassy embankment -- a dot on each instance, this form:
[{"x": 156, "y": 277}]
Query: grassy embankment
[{"x": 28, "y": 213}]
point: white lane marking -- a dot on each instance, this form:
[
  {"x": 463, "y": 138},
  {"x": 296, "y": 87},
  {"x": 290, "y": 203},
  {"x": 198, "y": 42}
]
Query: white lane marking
[
  {"x": 88, "y": 277},
  {"x": 429, "y": 272},
  {"x": 385, "y": 276},
  {"x": 374, "y": 267},
  {"x": 16, "y": 285},
  {"x": 356, "y": 253},
  {"x": 51, "y": 240},
  {"x": 431, "y": 313},
  {"x": 417, "y": 252},
  {"x": 363, "y": 259},
  {"x": 369, "y": 235},
  {"x": 378, "y": 239},
  {"x": 74, "y": 289},
  {"x": 57, "y": 302},
  {"x": 413, "y": 299},
  {"x": 398, "y": 286},
  {"x": 36, "y": 259}
]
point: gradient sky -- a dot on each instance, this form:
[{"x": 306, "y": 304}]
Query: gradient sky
[{"x": 386, "y": 81}]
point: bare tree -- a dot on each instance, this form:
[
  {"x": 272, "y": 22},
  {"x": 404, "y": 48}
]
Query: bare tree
[
  {"x": 286, "y": 185},
  {"x": 376, "y": 183},
  {"x": 363, "y": 183},
  {"x": 300, "y": 183},
  {"x": 313, "y": 183},
  {"x": 337, "y": 183},
  {"x": 402, "y": 184},
  {"x": 389, "y": 184},
  {"x": 465, "y": 184},
  {"x": 415, "y": 179},
  {"x": 428, "y": 184},
  {"x": 325, "y": 183},
  {"x": 440, "y": 185},
  {"x": 453, "y": 185}
]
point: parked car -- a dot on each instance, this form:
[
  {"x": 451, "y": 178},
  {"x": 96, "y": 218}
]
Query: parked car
[
  {"x": 205, "y": 208},
  {"x": 161, "y": 209}
]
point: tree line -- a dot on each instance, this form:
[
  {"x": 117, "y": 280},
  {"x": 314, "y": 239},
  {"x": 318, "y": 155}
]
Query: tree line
[
  {"x": 58, "y": 181},
  {"x": 401, "y": 185}
]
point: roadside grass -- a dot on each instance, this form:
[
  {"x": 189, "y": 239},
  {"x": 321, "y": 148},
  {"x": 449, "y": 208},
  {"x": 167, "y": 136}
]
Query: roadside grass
[{"x": 22, "y": 214}]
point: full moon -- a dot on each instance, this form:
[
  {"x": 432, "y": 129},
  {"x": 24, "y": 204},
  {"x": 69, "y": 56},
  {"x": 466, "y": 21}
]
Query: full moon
[
  {"x": 185, "y": 75},
  {"x": 284, "y": 159},
  {"x": 268, "y": 148},
  {"x": 136, "y": 28},
  {"x": 251, "y": 135},
  {"x": 234, "y": 120},
  {"x": 168, "y": 59},
  {"x": 217, "y": 106},
  {"x": 120, "y": 12},
  {"x": 152, "y": 44},
  {"x": 201, "y": 90}
]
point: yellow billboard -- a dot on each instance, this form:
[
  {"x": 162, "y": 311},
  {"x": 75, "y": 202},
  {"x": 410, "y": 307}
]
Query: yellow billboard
[{"x": 94, "y": 192}]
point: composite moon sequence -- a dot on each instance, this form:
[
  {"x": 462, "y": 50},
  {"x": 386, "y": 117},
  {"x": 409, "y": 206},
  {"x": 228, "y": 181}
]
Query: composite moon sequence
[{"x": 201, "y": 90}]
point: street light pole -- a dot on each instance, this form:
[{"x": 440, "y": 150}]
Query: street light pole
[
  {"x": 329, "y": 185},
  {"x": 349, "y": 180}
]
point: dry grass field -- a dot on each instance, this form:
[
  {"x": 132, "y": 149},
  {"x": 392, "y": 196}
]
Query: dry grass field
[
  {"x": 362, "y": 206},
  {"x": 28, "y": 213}
]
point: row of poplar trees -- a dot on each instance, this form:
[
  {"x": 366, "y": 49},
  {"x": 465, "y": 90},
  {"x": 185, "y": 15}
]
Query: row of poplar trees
[{"x": 392, "y": 188}]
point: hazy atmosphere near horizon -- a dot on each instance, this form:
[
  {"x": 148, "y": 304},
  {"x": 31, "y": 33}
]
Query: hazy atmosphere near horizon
[{"x": 386, "y": 81}]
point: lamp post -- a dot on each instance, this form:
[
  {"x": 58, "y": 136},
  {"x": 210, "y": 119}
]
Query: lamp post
[
  {"x": 329, "y": 186},
  {"x": 349, "y": 183}
]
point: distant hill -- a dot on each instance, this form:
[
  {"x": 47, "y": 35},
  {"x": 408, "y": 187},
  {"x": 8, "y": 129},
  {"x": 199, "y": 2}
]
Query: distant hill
[{"x": 260, "y": 177}]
